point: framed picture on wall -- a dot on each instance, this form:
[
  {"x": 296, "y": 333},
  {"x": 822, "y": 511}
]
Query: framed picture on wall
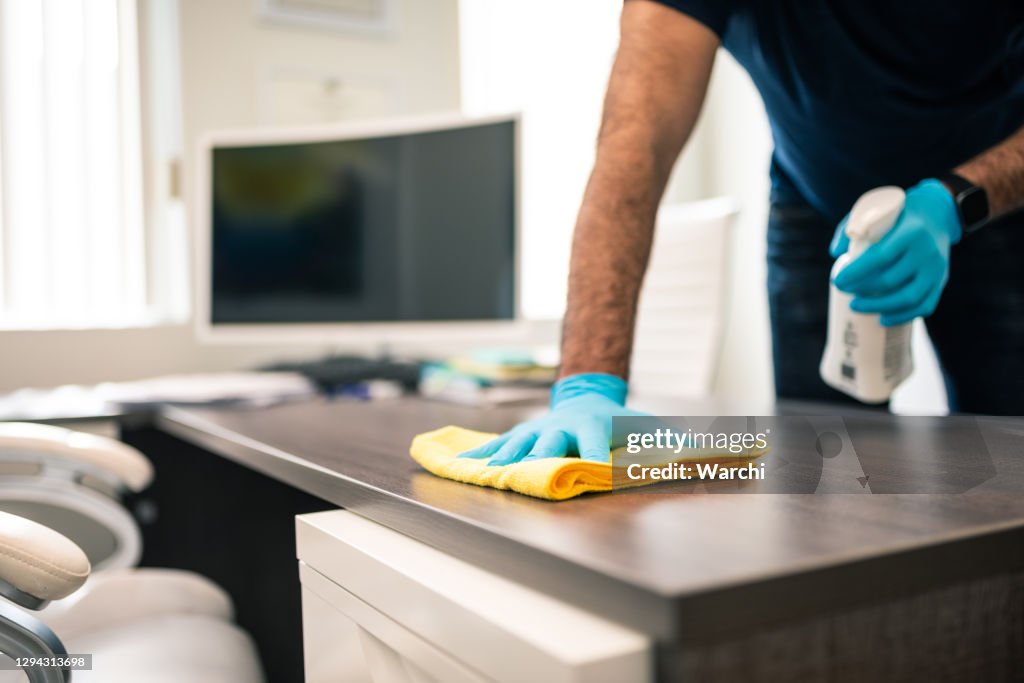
[{"x": 366, "y": 16}]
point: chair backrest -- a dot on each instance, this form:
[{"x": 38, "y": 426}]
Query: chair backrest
[
  {"x": 72, "y": 482},
  {"x": 681, "y": 313},
  {"x": 122, "y": 466}
]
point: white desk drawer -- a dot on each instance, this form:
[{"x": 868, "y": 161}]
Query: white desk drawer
[
  {"x": 346, "y": 640},
  {"x": 484, "y": 623}
]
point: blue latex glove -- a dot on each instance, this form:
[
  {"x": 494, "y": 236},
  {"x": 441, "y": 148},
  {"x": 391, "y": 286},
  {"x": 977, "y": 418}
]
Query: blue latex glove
[
  {"x": 580, "y": 422},
  {"x": 902, "y": 275}
]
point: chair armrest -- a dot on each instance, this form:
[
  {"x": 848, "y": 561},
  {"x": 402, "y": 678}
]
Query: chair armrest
[
  {"x": 37, "y": 564},
  {"x": 42, "y": 442}
]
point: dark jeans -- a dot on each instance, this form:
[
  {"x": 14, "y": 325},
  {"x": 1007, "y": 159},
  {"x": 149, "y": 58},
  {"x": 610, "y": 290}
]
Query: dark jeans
[{"x": 977, "y": 329}]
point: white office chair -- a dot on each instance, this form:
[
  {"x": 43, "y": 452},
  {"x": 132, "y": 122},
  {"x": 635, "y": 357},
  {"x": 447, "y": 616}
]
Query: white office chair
[
  {"x": 171, "y": 624},
  {"x": 681, "y": 311}
]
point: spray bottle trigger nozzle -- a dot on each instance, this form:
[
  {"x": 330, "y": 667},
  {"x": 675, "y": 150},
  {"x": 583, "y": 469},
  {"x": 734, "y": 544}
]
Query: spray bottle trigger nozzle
[{"x": 875, "y": 213}]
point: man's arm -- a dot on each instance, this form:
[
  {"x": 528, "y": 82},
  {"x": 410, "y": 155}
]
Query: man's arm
[
  {"x": 1000, "y": 170},
  {"x": 655, "y": 93}
]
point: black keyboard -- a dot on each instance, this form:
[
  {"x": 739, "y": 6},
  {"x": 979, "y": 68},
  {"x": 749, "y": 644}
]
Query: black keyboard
[{"x": 338, "y": 371}]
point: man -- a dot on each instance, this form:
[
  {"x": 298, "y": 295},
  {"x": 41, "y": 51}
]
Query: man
[{"x": 859, "y": 93}]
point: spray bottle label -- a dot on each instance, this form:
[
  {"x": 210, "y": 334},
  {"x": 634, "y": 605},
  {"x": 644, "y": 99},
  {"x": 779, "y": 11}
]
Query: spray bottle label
[
  {"x": 896, "y": 357},
  {"x": 849, "y": 368}
]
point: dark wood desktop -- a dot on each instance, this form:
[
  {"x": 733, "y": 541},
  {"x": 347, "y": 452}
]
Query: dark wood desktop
[{"x": 752, "y": 586}]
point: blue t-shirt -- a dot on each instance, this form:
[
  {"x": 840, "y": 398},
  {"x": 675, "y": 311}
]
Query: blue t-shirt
[{"x": 862, "y": 93}]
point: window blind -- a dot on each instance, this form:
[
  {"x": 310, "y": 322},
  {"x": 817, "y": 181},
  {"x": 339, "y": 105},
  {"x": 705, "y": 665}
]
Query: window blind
[{"x": 72, "y": 250}]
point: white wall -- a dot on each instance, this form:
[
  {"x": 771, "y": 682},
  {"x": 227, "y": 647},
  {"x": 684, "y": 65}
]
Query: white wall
[
  {"x": 550, "y": 61},
  {"x": 738, "y": 143}
]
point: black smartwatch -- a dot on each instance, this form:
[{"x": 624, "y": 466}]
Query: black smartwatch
[{"x": 971, "y": 201}]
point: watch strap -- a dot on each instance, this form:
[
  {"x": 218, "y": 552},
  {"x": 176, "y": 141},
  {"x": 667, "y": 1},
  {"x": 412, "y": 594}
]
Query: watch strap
[{"x": 971, "y": 201}]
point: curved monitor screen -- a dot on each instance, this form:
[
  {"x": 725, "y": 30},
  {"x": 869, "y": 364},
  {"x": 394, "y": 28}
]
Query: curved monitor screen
[{"x": 414, "y": 227}]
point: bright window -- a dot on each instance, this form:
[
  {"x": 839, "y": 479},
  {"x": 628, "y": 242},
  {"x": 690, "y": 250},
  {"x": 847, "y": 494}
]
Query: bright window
[{"x": 72, "y": 228}]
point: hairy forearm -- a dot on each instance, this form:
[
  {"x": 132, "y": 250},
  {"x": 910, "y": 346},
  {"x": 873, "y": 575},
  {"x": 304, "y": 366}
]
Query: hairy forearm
[
  {"x": 1000, "y": 170},
  {"x": 610, "y": 250},
  {"x": 654, "y": 95}
]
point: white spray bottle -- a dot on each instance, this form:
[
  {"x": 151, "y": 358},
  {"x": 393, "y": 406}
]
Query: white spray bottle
[{"x": 862, "y": 358}]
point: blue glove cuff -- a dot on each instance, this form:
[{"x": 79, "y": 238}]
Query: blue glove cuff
[
  {"x": 939, "y": 196},
  {"x": 609, "y": 386}
]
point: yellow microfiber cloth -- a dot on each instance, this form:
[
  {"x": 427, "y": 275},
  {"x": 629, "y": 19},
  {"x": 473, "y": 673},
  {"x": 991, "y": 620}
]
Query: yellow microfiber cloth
[{"x": 549, "y": 478}]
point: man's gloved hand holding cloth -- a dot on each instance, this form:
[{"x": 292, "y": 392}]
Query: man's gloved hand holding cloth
[
  {"x": 579, "y": 423},
  {"x": 902, "y": 276}
]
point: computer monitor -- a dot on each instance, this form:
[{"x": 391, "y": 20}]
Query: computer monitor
[{"x": 333, "y": 231}]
